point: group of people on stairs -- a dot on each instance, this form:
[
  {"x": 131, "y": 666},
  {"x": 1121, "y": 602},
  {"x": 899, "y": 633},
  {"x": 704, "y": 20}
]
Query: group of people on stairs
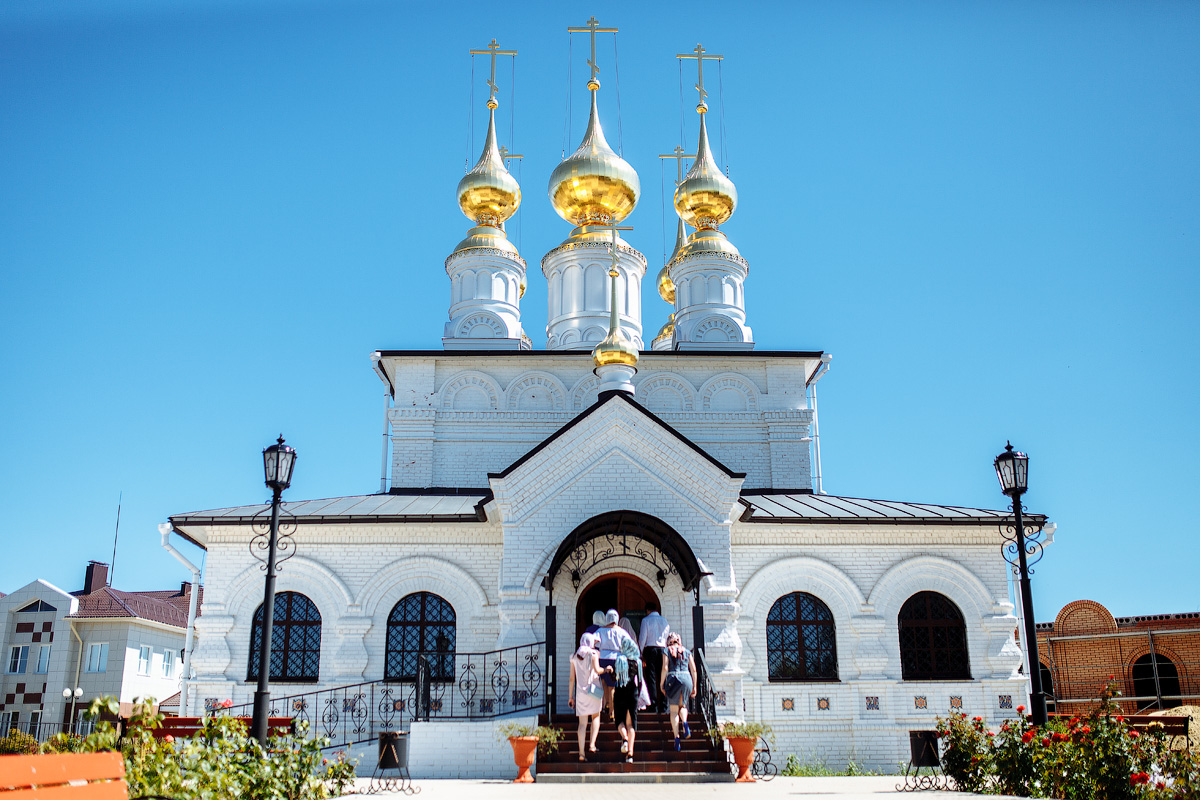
[{"x": 614, "y": 670}]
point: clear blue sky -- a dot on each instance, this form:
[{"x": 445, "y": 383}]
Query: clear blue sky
[{"x": 211, "y": 213}]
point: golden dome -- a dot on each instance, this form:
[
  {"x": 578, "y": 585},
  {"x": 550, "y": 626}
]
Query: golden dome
[
  {"x": 706, "y": 198},
  {"x": 616, "y": 348},
  {"x": 594, "y": 184},
  {"x": 666, "y": 286},
  {"x": 708, "y": 240},
  {"x": 667, "y": 329},
  {"x": 488, "y": 194}
]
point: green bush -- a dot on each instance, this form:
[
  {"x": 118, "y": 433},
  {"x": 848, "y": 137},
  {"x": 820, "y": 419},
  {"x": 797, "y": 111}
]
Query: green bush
[
  {"x": 220, "y": 761},
  {"x": 1096, "y": 757},
  {"x": 548, "y": 738}
]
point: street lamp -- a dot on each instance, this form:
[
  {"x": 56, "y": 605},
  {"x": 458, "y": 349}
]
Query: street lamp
[
  {"x": 278, "y": 461},
  {"x": 1012, "y": 468},
  {"x": 73, "y": 695}
]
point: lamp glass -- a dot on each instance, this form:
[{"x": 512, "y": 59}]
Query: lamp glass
[
  {"x": 1012, "y": 469},
  {"x": 67, "y": 694},
  {"x": 278, "y": 462}
]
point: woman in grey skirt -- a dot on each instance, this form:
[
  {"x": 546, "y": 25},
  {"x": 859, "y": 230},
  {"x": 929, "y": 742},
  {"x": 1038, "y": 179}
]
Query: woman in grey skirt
[{"x": 678, "y": 683}]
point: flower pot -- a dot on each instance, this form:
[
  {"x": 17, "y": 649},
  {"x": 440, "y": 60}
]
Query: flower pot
[
  {"x": 743, "y": 755},
  {"x": 524, "y": 752}
]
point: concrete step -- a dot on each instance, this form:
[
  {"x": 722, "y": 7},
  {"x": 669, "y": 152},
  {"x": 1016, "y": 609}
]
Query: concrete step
[{"x": 636, "y": 777}]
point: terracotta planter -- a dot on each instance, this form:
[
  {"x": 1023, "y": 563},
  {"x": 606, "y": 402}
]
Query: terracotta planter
[
  {"x": 743, "y": 755},
  {"x": 524, "y": 752}
]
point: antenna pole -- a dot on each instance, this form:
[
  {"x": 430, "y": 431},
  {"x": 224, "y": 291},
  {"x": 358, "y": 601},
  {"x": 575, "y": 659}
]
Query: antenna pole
[{"x": 113, "y": 568}]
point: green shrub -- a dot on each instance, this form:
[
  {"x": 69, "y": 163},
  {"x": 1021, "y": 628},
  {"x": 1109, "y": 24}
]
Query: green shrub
[
  {"x": 220, "y": 761},
  {"x": 548, "y": 738}
]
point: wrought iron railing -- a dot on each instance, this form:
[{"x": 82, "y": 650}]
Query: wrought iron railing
[
  {"x": 484, "y": 685},
  {"x": 705, "y": 702}
]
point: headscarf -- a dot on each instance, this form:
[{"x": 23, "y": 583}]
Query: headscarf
[
  {"x": 587, "y": 646},
  {"x": 627, "y": 626},
  {"x": 598, "y": 618},
  {"x": 611, "y": 617},
  {"x": 674, "y": 644},
  {"x": 629, "y": 654}
]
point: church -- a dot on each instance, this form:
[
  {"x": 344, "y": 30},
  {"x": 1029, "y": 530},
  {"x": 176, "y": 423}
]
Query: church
[{"x": 606, "y": 468}]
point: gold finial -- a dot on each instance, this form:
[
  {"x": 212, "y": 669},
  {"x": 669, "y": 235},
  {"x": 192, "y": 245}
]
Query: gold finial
[
  {"x": 666, "y": 287},
  {"x": 700, "y": 56},
  {"x": 594, "y": 184},
  {"x": 706, "y": 197},
  {"x": 616, "y": 348},
  {"x": 493, "y": 50}
]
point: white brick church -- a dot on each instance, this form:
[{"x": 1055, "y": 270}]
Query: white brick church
[{"x": 531, "y": 487}]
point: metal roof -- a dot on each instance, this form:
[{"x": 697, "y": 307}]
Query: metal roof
[
  {"x": 806, "y": 507},
  {"x": 433, "y": 507}
]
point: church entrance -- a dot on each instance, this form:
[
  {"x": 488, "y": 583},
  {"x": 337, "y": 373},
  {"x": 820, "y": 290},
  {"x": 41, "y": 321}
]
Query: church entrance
[{"x": 628, "y": 594}]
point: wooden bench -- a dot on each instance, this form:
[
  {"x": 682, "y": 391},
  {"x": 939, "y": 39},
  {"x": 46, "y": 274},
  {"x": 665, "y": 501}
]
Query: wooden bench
[
  {"x": 1172, "y": 726},
  {"x": 67, "y": 776},
  {"x": 186, "y": 727}
]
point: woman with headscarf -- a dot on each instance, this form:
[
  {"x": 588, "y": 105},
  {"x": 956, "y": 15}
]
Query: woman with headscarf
[
  {"x": 586, "y": 691},
  {"x": 597, "y": 622},
  {"x": 628, "y": 674},
  {"x": 678, "y": 683},
  {"x": 610, "y": 647}
]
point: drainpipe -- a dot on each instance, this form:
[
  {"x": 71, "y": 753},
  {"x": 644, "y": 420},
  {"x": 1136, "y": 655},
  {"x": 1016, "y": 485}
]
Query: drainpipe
[
  {"x": 165, "y": 530},
  {"x": 78, "y": 667},
  {"x": 812, "y": 385},
  {"x": 387, "y": 404}
]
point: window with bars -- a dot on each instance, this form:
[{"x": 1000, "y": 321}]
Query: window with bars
[
  {"x": 801, "y": 641},
  {"x": 421, "y": 623},
  {"x": 933, "y": 639},
  {"x": 295, "y": 640}
]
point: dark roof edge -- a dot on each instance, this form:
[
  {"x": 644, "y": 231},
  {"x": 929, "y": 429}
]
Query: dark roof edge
[
  {"x": 978, "y": 521},
  {"x": 587, "y": 353},
  {"x": 321, "y": 519},
  {"x": 589, "y": 411}
]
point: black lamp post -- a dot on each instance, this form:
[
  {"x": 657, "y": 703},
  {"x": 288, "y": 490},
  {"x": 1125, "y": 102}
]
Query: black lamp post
[
  {"x": 1012, "y": 468},
  {"x": 278, "y": 460}
]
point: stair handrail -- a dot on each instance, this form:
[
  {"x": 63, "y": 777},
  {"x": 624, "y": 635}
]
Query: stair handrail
[{"x": 706, "y": 693}]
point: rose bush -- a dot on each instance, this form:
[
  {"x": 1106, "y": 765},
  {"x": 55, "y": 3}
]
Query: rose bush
[{"x": 1096, "y": 757}]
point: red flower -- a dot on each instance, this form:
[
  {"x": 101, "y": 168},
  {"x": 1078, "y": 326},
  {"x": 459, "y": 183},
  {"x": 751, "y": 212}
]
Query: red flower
[
  {"x": 989, "y": 734},
  {"x": 227, "y": 704},
  {"x": 1074, "y": 721},
  {"x": 1110, "y": 677},
  {"x": 1028, "y": 737},
  {"x": 1020, "y": 709},
  {"x": 1120, "y": 718},
  {"x": 1086, "y": 729},
  {"x": 1133, "y": 734},
  {"x": 1045, "y": 742},
  {"x": 168, "y": 738},
  {"x": 978, "y": 719},
  {"x": 1138, "y": 778}
]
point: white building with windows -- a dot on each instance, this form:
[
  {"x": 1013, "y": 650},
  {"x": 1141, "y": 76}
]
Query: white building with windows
[
  {"x": 528, "y": 488},
  {"x": 101, "y": 640}
]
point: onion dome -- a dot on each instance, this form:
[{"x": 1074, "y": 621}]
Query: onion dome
[
  {"x": 666, "y": 286},
  {"x": 666, "y": 330},
  {"x": 488, "y": 194},
  {"x": 594, "y": 184},
  {"x": 708, "y": 240},
  {"x": 616, "y": 348},
  {"x": 706, "y": 198},
  {"x": 489, "y": 237}
]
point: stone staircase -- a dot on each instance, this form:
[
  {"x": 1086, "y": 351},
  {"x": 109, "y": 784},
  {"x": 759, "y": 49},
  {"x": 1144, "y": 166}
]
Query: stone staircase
[{"x": 655, "y": 758}]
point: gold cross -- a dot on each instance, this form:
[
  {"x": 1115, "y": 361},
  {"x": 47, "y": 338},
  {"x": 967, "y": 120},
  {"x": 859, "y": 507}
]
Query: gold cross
[
  {"x": 505, "y": 155},
  {"x": 679, "y": 156},
  {"x": 592, "y": 27},
  {"x": 700, "y": 56},
  {"x": 493, "y": 50},
  {"x": 612, "y": 271}
]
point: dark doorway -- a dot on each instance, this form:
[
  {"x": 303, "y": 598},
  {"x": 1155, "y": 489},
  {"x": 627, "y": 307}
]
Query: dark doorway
[
  {"x": 1144, "y": 684},
  {"x": 628, "y": 594},
  {"x": 1047, "y": 687}
]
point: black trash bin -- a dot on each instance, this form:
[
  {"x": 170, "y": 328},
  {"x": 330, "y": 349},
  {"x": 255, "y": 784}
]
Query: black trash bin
[{"x": 393, "y": 750}]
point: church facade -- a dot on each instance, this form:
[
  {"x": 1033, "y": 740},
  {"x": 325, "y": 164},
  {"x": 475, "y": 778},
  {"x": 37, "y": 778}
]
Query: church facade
[{"x": 529, "y": 488}]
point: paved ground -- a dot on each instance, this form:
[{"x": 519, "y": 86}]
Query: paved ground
[{"x": 777, "y": 789}]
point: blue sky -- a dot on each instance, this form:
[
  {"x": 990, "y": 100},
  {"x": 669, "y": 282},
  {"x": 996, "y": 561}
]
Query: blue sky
[{"x": 211, "y": 214}]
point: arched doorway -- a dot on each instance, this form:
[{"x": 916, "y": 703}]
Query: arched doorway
[
  {"x": 628, "y": 594},
  {"x": 1156, "y": 679}
]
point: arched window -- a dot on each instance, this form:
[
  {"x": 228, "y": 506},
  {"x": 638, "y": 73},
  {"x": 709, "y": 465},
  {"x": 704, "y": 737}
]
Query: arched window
[
  {"x": 421, "y": 623},
  {"x": 1162, "y": 693},
  {"x": 295, "y": 639},
  {"x": 933, "y": 639},
  {"x": 801, "y": 644}
]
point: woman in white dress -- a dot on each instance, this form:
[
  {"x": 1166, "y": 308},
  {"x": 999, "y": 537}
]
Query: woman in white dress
[{"x": 586, "y": 691}]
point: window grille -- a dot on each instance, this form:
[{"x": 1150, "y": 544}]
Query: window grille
[
  {"x": 801, "y": 641},
  {"x": 421, "y": 623},
  {"x": 933, "y": 639},
  {"x": 295, "y": 639}
]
